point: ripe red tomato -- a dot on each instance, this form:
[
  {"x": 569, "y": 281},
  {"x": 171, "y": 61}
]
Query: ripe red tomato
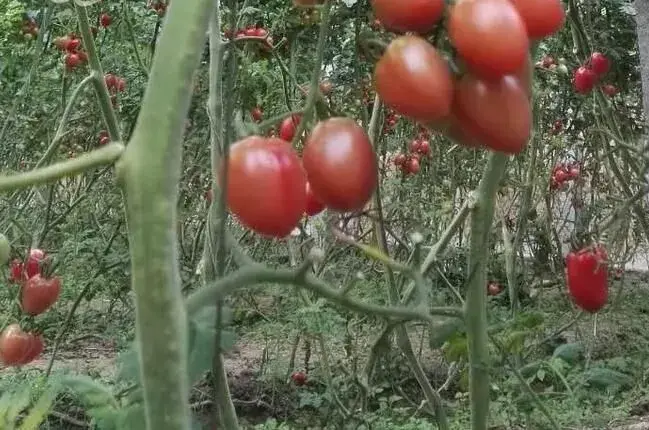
[
  {"x": 584, "y": 80},
  {"x": 399, "y": 160},
  {"x": 35, "y": 348},
  {"x": 257, "y": 114},
  {"x": 266, "y": 187},
  {"x": 497, "y": 114},
  {"x": 599, "y": 63},
  {"x": 313, "y": 205},
  {"x": 490, "y": 36},
  {"x": 493, "y": 289},
  {"x": 340, "y": 164},
  {"x": 39, "y": 294},
  {"x": 299, "y": 378},
  {"x": 288, "y": 127},
  {"x": 261, "y": 32},
  {"x": 609, "y": 90},
  {"x": 105, "y": 20},
  {"x": 412, "y": 165},
  {"x": 33, "y": 263},
  {"x": 419, "y": 16},
  {"x": 72, "y": 44},
  {"x": 111, "y": 81},
  {"x": 17, "y": 271},
  {"x": 15, "y": 345},
  {"x": 411, "y": 65},
  {"x": 542, "y": 17},
  {"x": 250, "y": 32},
  {"x": 587, "y": 277},
  {"x": 72, "y": 61}
]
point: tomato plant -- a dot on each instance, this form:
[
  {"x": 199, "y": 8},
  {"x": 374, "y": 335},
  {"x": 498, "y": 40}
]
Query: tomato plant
[
  {"x": 587, "y": 277},
  {"x": 497, "y": 114},
  {"x": 340, "y": 164},
  {"x": 39, "y": 294},
  {"x": 418, "y": 16},
  {"x": 490, "y": 36},
  {"x": 414, "y": 79},
  {"x": 266, "y": 186},
  {"x": 542, "y": 17}
]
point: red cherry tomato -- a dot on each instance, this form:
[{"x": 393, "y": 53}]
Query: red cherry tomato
[
  {"x": 266, "y": 187},
  {"x": 409, "y": 66},
  {"x": 299, "y": 378},
  {"x": 72, "y": 60},
  {"x": 413, "y": 165},
  {"x": 584, "y": 80},
  {"x": 261, "y": 32},
  {"x": 414, "y": 146},
  {"x": 399, "y": 160},
  {"x": 497, "y": 114},
  {"x": 105, "y": 20},
  {"x": 15, "y": 345},
  {"x": 493, "y": 289},
  {"x": 257, "y": 114},
  {"x": 17, "y": 271},
  {"x": 313, "y": 205},
  {"x": 609, "y": 90},
  {"x": 542, "y": 17},
  {"x": 72, "y": 44},
  {"x": 288, "y": 127},
  {"x": 490, "y": 36},
  {"x": 599, "y": 63},
  {"x": 587, "y": 278},
  {"x": 424, "y": 148},
  {"x": 340, "y": 164},
  {"x": 250, "y": 32},
  {"x": 419, "y": 16},
  {"x": 33, "y": 263},
  {"x": 561, "y": 176},
  {"x": 39, "y": 294}
]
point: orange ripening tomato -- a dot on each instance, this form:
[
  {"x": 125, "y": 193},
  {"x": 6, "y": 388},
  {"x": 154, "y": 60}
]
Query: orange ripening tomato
[
  {"x": 414, "y": 79},
  {"x": 490, "y": 37},
  {"x": 419, "y": 16},
  {"x": 266, "y": 187},
  {"x": 340, "y": 164},
  {"x": 497, "y": 114}
]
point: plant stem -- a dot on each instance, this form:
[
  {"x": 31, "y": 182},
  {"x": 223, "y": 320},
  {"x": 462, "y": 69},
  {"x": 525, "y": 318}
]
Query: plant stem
[
  {"x": 475, "y": 308},
  {"x": 99, "y": 157},
  {"x": 149, "y": 173}
]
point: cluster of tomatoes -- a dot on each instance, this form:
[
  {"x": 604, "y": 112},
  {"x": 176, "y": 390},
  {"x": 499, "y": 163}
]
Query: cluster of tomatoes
[
  {"x": 72, "y": 46},
  {"x": 158, "y": 6},
  {"x": 30, "y": 28},
  {"x": 562, "y": 173},
  {"x": 270, "y": 187},
  {"x": 114, "y": 83},
  {"x": 409, "y": 163},
  {"x": 588, "y": 75},
  {"x": 258, "y": 33},
  {"x": 38, "y": 293},
  {"x": 587, "y": 277},
  {"x": 548, "y": 62},
  {"x": 488, "y": 106},
  {"x": 391, "y": 119}
]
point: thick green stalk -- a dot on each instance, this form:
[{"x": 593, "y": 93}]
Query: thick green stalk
[
  {"x": 475, "y": 307},
  {"x": 149, "y": 173}
]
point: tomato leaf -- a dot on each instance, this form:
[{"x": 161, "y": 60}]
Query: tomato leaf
[
  {"x": 568, "y": 352},
  {"x": 608, "y": 379},
  {"x": 39, "y": 412},
  {"x": 18, "y": 401},
  {"x": 90, "y": 392}
]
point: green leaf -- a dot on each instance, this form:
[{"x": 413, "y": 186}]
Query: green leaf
[
  {"x": 18, "y": 402},
  {"x": 515, "y": 341},
  {"x": 530, "y": 369},
  {"x": 39, "y": 412},
  {"x": 604, "y": 378},
  {"x": 529, "y": 320},
  {"x": 568, "y": 352},
  {"x": 456, "y": 347},
  {"x": 92, "y": 393},
  {"x": 128, "y": 365}
]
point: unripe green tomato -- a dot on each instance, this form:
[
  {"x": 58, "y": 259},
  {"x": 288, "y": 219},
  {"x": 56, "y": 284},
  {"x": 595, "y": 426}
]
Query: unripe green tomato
[
  {"x": 5, "y": 249},
  {"x": 562, "y": 69}
]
